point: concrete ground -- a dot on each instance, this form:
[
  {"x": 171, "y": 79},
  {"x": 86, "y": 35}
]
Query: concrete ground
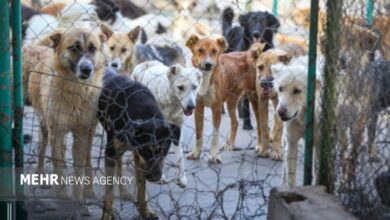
[{"x": 237, "y": 188}]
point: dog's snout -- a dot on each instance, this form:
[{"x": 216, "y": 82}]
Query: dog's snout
[
  {"x": 115, "y": 65},
  {"x": 208, "y": 65},
  {"x": 256, "y": 34},
  {"x": 282, "y": 112},
  {"x": 191, "y": 106},
  {"x": 265, "y": 83},
  {"x": 86, "y": 69}
]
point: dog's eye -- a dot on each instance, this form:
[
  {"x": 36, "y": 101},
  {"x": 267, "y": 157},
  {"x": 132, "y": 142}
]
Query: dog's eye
[
  {"x": 181, "y": 88},
  {"x": 112, "y": 48},
  {"x": 213, "y": 51},
  {"x": 281, "y": 89},
  {"x": 194, "y": 87},
  {"x": 91, "y": 48},
  {"x": 260, "y": 67},
  {"x": 123, "y": 50},
  {"x": 297, "y": 91},
  {"x": 200, "y": 50}
]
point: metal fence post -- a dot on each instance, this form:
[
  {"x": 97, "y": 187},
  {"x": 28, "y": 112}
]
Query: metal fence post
[
  {"x": 16, "y": 22},
  {"x": 328, "y": 117},
  {"x": 275, "y": 7},
  {"x": 369, "y": 12},
  {"x": 5, "y": 110},
  {"x": 309, "y": 117}
]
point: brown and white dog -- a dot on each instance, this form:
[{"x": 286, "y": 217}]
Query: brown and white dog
[
  {"x": 232, "y": 76},
  {"x": 63, "y": 85},
  {"x": 206, "y": 53}
]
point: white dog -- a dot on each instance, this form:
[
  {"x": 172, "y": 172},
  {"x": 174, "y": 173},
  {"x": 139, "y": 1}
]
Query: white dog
[
  {"x": 291, "y": 86},
  {"x": 175, "y": 89}
]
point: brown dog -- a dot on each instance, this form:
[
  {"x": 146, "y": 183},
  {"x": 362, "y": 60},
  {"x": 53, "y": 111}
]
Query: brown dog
[
  {"x": 265, "y": 92},
  {"x": 206, "y": 53},
  {"x": 65, "y": 98},
  {"x": 233, "y": 75}
]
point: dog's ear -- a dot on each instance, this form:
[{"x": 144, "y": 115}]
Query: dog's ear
[
  {"x": 371, "y": 40},
  {"x": 285, "y": 58},
  {"x": 222, "y": 43},
  {"x": 272, "y": 22},
  {"x": 134, "y": 34},
  {"x": 255, "y": 50},
  {"x": 242, "y": 19},
  {"x": 190, "y": 43},
  {"x": 175, "y": 133},
  {"x": 107, "y": 33},
  {"x": 55, "y": 38},
  {"x": 254, "y": 54},
  {"x": 174, "y": 71}
]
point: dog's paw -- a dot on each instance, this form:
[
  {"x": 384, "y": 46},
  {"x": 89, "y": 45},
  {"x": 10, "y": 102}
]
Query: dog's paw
[
  {"x": 276, "y": 156},
  {"x": 125, "y": 194},
  {"x": 107, "y": 216},
  {"x": 86, "y": 210},
  {"x": 263, "y": 153},
  {"x": 257, "y": 148},
  {"x": 228, "y": 147},
  {"x": 193, "y": 155},
  {"x": 215, "y": 160},
  {"x": 149, "y": 214},
  {"x": 163, "y": 180},
  {"x": 182, "y": 182},
  {"x": 247, "y": 126}
]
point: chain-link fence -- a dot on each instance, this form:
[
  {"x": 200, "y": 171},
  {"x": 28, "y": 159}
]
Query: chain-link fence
[
  {"x": 356, "y": 121},
  {"x": 355, "y": 83}
]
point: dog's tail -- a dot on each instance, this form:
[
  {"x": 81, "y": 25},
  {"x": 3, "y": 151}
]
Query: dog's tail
[{"x": 227, "y": 19}]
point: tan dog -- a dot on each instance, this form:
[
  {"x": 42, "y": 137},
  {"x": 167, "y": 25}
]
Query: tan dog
[
  {"x": 125, "y": 53},
  {"x": 265, "y": 92},
  {"x": 233, "y": 75},
  {"x": 122, "y": 48},
  {"x": 66, "y": 97}
]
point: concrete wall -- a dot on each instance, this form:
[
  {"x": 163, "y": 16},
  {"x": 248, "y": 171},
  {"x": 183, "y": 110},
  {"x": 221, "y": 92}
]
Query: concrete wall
[{"x": 305, "y": 203}]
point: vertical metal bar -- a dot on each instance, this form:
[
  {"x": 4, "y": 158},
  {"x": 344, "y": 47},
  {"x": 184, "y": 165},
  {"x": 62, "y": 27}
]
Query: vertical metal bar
[
  {"x": 328, "y": 115},
  {"x": 275, "y": 7},
  {"x": 18, "y": 81},
  {"x": 16, "y": 22},
  {"x": 369, "y": 12},
  {"x": 6, "y": 188},
  {"x": 309, "y": 117}
]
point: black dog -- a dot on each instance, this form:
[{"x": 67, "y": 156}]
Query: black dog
[
  {"x": 254, "y": 27},
  {"x": 133, "y": 121}
]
